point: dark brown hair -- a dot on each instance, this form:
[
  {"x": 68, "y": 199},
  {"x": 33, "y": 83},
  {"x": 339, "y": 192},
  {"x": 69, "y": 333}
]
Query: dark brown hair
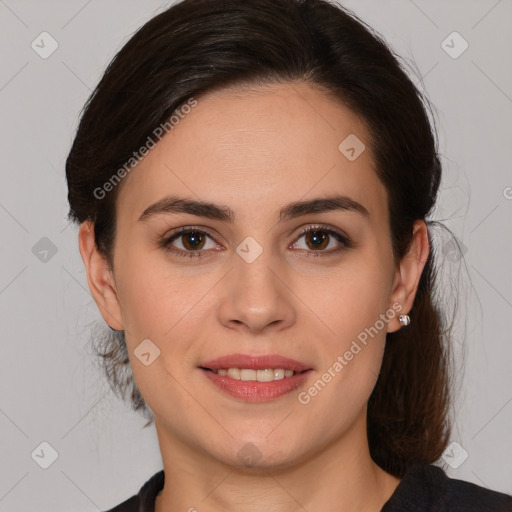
[{"x": 198, "y": 46}]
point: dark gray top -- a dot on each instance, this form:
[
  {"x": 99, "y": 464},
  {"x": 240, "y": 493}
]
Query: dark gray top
[{"x": 424, "y": 488}]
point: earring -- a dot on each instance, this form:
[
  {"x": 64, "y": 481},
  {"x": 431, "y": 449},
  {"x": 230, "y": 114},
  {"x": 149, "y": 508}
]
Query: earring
[{"x": 404, "y": 320}]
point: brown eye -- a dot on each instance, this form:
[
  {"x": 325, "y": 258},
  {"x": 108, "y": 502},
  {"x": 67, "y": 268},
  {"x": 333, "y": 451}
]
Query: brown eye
[
  {"x": 318, "y": 238},
  {"x": 192, "y": 240},
  {"x": 317, "y": 241}
]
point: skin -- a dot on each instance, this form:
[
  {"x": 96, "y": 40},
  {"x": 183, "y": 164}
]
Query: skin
[{"x": 256, "y": 152}]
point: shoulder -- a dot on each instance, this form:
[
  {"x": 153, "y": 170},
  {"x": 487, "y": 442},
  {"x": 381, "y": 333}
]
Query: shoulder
[
  {"x": 144, "y": 500},
  {"x": 428, "y": 488},
  {"x": 461, "y": 495},
  {"x": 130, "y": 505}
]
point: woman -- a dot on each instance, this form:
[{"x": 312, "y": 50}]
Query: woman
[{"x": 253, "y": 180}]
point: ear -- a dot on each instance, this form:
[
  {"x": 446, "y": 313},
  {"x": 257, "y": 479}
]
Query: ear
[
  {"x": 408, "y": 273},
  {"x": 99, "y": 277}
]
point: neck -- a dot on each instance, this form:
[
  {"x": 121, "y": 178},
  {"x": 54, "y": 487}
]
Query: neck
[{"x": 341, "y": 477}]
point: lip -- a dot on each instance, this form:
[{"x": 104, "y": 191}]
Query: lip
[
  {"x": 254, "y": 391},
  {"x": 255, "y": 362}
]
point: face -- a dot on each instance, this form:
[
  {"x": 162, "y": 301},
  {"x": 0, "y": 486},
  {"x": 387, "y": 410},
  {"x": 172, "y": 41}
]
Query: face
[{"x": 255, "y": 284}]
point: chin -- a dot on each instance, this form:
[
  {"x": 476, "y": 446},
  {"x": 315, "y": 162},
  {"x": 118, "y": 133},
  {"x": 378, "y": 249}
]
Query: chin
[{"x": 260, "y": 455}]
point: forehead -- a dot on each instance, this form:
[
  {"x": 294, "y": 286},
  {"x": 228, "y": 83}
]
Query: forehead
[{"x": 256, "y": 150}]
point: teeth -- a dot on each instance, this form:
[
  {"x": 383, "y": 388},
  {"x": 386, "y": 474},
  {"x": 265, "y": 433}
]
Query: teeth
[
  {"x": 245, "y": 374},
  {"x": 248, "y": 374},
  {"x": 280, "y": 374},
  {"x": 234, "y": 373}
]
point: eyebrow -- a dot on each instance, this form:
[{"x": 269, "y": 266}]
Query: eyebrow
[{"x": 174, "y": 204}]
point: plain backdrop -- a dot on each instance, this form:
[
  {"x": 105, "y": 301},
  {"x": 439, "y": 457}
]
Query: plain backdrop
[{"x": 51, "y": 391}]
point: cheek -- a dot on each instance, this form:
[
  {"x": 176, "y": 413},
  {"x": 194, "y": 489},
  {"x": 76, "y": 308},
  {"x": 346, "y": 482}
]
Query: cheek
[
  {"x": 351, "y": 360},
  {"x": 355, "y": 307},
  {"x": 153, "y": 297},
  {"x": 354, "y": 297}
]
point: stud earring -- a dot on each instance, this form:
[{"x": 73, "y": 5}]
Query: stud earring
[{"x": 404, "y": 320}]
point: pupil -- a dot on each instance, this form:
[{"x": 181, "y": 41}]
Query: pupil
[
  {"x": 318, "y": 238},
  {"x": 193, "y": 239},
  {"x": 315, "y": 237}
]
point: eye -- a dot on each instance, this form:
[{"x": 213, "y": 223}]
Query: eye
[
  {"x": 318, "y": 238},
  {"x": 192, "y": 241}
]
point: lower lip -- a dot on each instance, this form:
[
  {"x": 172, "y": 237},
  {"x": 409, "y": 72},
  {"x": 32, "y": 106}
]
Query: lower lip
[{"x": 255, "y": 391}]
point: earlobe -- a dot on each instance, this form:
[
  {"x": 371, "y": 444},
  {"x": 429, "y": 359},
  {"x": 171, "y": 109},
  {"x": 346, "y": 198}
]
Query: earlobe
[
  {"x": 409, "y": 272},
  {"x": 99, "y": 277}
]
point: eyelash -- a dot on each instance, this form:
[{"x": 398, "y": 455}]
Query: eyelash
[{"x": 166, "y": 241}]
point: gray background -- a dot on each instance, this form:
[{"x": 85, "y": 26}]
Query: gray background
[{"x": 51, "y": 389}]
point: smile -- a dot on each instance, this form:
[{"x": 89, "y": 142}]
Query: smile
[
  {"x": 256, "y": 385},
  {"x": 247, "y": 374}
]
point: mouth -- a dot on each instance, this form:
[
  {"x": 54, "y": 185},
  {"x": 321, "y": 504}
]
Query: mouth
[
  {"x": 256, "y": 378},
  {"x": 248, "y": 374}
]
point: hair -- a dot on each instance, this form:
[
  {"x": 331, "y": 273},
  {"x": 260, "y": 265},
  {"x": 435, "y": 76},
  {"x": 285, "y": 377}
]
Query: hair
[{"x": 199, "y": 46}]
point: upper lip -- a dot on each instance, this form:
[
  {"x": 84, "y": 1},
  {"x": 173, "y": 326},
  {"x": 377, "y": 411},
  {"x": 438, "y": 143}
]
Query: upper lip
[{"x": 255, "y": 362}]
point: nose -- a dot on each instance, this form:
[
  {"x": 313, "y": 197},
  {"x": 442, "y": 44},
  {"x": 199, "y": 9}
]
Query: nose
[{"x": 258, "y": 295}]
